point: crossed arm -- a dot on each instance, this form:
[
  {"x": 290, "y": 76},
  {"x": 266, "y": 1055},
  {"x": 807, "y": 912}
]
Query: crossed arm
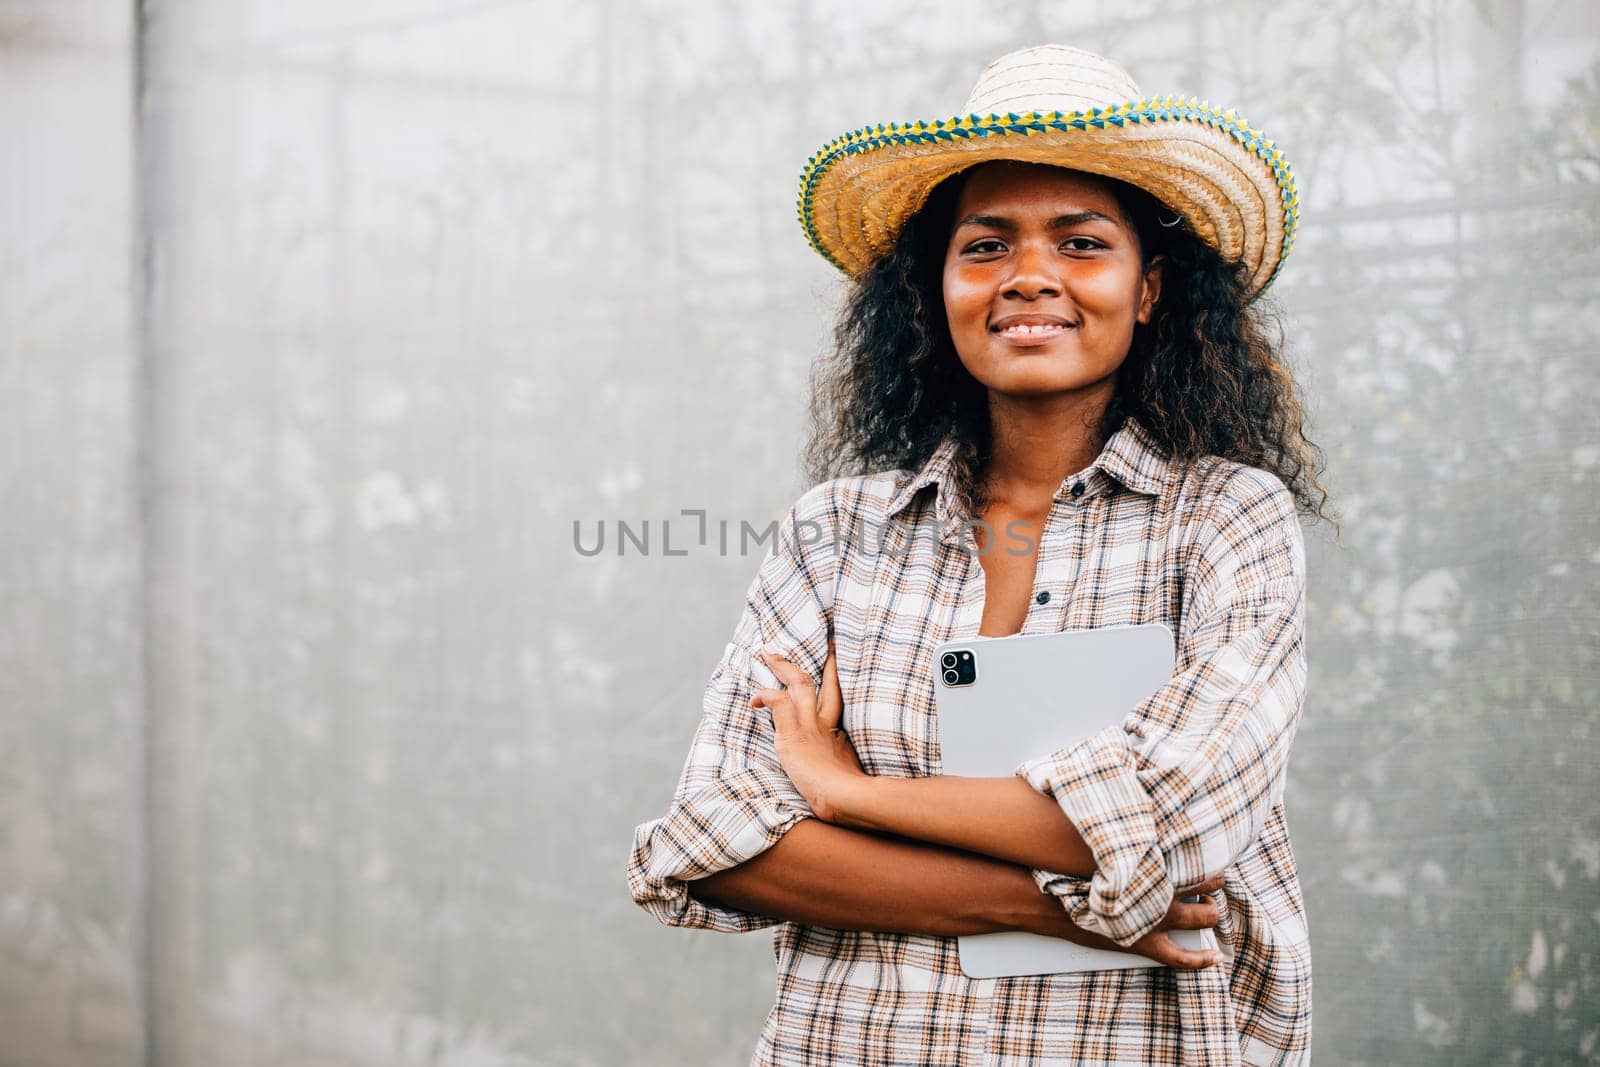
[
  {"x": 1005, "y": 818},
  {"x": 827, "y": 875},
  {"x": 964, "y": 869}
]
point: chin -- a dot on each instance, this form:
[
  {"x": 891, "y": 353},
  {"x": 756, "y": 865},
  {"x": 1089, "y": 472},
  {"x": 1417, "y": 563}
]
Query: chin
[{"x": 1025, "y": 376}]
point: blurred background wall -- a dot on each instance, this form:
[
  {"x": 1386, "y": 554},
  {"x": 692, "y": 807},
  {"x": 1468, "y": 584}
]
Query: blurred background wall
[{"x": 321, "y": 321}]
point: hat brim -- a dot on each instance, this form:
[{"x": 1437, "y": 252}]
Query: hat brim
[{"x": 1231, "y": 184}]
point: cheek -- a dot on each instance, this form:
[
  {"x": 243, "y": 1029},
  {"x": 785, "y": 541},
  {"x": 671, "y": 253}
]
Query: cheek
[
  {"x": 966, "y": 302},
  {"x": 1108, "y": 287}
]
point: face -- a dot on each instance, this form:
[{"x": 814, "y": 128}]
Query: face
[{"x": 1043, "y": 282}]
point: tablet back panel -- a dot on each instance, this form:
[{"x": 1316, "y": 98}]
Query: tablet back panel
[
  {"x": 1032, "y": 694},
  {"x": 1035, "y": 693}
]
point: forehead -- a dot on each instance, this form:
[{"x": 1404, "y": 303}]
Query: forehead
[{"x": 1005, "y": 185}]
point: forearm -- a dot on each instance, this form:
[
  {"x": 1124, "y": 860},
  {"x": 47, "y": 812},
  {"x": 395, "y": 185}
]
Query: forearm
[
  {"x": 826, "y": 875},
  {"x": 1004, "y": 818}
]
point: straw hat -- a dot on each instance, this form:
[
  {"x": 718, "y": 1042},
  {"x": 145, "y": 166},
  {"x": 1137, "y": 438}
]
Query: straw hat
[{"x": 1071, "y": 108}]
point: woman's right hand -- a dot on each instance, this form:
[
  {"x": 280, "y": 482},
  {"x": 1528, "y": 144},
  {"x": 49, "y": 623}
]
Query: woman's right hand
[{"x": 1156, "y": 945}]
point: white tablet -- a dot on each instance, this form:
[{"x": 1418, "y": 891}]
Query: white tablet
[{"x": 1003, "y": 700}]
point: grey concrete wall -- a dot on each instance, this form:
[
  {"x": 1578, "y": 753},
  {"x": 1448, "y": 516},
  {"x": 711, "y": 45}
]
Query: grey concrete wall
[
  {"x": 72, "y": 714},
  {"x": 320, "y": 324}
]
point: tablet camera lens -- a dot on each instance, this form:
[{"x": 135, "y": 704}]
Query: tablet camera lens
[{"x": 958, "y": 667}]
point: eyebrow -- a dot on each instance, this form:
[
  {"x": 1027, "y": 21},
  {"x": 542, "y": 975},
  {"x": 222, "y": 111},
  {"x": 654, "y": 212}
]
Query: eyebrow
[{"x": 997, "y": 222}]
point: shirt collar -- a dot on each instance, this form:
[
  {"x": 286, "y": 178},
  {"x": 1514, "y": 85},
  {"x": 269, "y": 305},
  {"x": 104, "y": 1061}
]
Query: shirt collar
[
  {"x": 1134, "y": 458},
  {"x": 1131, "y": 456},
  {"x": 939, "y": 470}
]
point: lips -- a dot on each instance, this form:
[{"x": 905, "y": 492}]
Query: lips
[{"x": 1030, "y": 329}]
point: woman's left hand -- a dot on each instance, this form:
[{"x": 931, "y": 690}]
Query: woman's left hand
[{"x": 815, "y": 751}]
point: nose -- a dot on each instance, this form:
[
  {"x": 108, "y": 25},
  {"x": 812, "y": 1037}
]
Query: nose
[{"x": 1032, "y": 275}]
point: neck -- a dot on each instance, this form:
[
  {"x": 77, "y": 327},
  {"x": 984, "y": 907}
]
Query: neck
[{"x": 1036, "y": 442}]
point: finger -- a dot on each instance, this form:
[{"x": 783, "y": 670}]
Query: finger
[
  {"x": 830, "y": 702},
  {"x": 776, "y": 701},
  {"x": 1163, "y": 949},
  {"x": 801, "y": 686},
  {"x": 1210, "y": 885},
  {"x": 1201, "y": 916},
  {"x": 1186, "y": 959}
]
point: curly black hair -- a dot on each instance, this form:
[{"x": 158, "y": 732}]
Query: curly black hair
[{"x": 1205, "y": 376}]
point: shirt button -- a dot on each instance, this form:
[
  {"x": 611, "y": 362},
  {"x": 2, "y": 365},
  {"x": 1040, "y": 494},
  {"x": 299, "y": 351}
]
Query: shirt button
[
  {"x": 1043, "y": 597},
  {"x": 1077, "y": 489}
]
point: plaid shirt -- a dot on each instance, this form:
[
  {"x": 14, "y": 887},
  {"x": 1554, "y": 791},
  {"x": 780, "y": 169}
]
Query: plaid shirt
[{"x": 1190, "y": 785}]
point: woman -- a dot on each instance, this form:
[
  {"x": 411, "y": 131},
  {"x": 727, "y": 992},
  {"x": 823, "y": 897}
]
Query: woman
[{"x": 1050, "y": 333}]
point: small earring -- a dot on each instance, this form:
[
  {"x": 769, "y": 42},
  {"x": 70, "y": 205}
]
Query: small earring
[{"x": 1161, "y": 217}]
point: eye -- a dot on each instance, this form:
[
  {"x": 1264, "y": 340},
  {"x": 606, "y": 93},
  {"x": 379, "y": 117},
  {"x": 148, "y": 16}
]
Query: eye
[
  {"x": 984, "y": 246},
  {"x": 1081, "y": 244}
]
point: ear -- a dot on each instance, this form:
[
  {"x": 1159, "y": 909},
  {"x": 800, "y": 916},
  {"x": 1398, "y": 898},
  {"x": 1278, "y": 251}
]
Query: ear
[{"x": 1151, "y": 290}]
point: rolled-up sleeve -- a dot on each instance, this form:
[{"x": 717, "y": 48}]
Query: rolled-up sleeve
[
  {"x": 1182, "y": 788},
  {"x": 733, "y": 800}
]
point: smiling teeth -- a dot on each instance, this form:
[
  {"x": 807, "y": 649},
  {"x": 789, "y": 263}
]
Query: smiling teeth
[{"x": 1032, "y": 329}]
